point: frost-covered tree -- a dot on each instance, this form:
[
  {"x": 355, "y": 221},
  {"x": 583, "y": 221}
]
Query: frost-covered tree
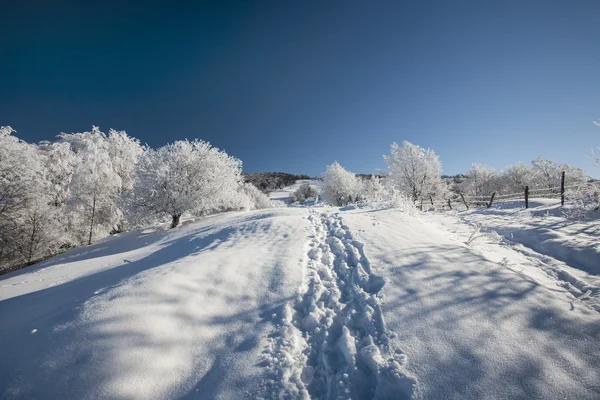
[
  {"x": 480, "y": 180},
  {"x": 27, "y": 222},
  {"x": 186, "y": 177},
  {"x": 516, "y": 177},
  {"x": 415, "y": 171},
  {"x": 340, "y": 187},
  {"x": 372, "y": 189},
  {"x": 124, "y": 152},
  {"x": 60, "y": 162},
  {"x": 95, "y": 186},
  {"x": 547, "y": 174}
]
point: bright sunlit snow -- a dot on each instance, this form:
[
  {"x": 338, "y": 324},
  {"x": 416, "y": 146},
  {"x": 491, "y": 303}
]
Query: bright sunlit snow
[{"x": 314, "y": 302}]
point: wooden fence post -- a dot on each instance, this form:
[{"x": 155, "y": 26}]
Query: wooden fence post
[
  {"x": 562, "y": 189},
  {"x": 449, "y": 205},
  {"x": 491, "y": 200},
  {"x": 526, "y": 196},
  {"x": 464, "y": 201}
]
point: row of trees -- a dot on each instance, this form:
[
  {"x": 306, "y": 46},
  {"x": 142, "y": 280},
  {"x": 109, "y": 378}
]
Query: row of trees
[
  {"x": 268, "y": 181},
  {"x": 84, "y": 186},
  {"x": 415, "y": 172}
]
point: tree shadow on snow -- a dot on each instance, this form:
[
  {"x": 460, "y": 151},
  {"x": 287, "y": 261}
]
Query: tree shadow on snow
[
  {"x": 466, "y": 314},
  {"x": 41, "y": 331}
]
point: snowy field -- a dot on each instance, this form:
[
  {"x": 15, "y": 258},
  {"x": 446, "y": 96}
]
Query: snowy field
[
  {"x": 283, "y": 194},
  {"x": 314, "y": 303}
]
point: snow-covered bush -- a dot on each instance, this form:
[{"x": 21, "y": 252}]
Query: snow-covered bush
[
  {"x": 340, "y": 187},
  {"x": 304, "y": 192},
  {"x": 416, "y": 172},
  {"x": 254, "y": 198},
  {"x": 372, "y": 190},
  {"x": 186, "y": 177}
]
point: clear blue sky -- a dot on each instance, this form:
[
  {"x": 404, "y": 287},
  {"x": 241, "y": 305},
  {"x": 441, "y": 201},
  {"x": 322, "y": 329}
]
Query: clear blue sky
[{"x": 294, "y": 85}]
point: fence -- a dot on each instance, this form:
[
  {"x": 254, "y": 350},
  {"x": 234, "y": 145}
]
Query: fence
[{"x": 560, "y": 192}]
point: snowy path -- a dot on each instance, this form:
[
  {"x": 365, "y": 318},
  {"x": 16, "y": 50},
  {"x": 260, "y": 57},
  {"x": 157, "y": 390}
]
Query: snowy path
[
  {"x": 334, "y": 343},
  {"x": 472, "y": 327}
]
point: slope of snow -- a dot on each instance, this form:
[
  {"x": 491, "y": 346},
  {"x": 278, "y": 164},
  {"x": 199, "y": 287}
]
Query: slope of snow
[
  {"x": 310, "y": 303},
  {"x": 283, "y": 194},
  {"x": 564, "y": 248},
  {"x": 546, "y": 229},
  {"x": 152, "y": 315},
  {"x": 473, "y": 328}
]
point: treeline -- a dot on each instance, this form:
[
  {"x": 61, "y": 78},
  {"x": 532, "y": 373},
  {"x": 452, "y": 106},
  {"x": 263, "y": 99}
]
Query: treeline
[
  {"x": 85, "y": 186},
  {"x": 415, "y": 173},
  {"x": 268, "y": 181}
]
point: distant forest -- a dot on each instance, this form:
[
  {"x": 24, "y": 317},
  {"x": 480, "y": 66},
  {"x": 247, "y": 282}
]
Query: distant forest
[{"x": 267, "y": 181}]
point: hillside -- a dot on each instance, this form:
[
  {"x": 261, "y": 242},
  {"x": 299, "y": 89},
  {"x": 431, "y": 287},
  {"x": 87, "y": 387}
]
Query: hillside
[{"x": 313, "y": 302}]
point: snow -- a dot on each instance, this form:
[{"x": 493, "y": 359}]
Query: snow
[
  {"x": 472, "y": 327},
  {"x": 152, "y": 315},
  {"x": 284, "y": 193},
  {"x": 314, "y": 302}
]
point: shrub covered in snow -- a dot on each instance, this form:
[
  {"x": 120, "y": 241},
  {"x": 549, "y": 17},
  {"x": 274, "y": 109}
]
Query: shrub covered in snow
[
  {"x": 340, "y": 187},
  {"x": 304, "y": 192},
  {"x": 254, "y": 198}
]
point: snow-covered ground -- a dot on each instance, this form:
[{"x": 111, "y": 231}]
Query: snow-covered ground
[
  {"x": 471, "y": 322},
  {"x": 283, "y": 194},
  {"x": 186, "y": 312},
  {"x": 314, "y": 303}
]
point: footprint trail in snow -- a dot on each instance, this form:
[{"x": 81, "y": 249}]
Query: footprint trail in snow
[{"x": 332, "y": 342}]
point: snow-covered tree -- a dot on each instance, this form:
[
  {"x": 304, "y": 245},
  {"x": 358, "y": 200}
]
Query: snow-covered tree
[
  {"x": 60, "y": 162},
  {"x": 516, "y": 177},
  {"x": 415, "y": 171},
  {"x": 124, "y": 152},
  {"x": 27, "y": 222},
  {"x": 547, "y": 174},
  {"x": 186, "y": 177},
  {"x": 340, "y": 187},
  {"x": 95, "y": 186},
  {"x": 480, "y": 180},
  {"x": 372, "y": 189}
]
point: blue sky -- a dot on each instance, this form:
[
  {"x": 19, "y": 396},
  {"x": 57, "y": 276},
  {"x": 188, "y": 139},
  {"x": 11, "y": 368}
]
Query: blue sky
[{"x": 294, "y": 85}]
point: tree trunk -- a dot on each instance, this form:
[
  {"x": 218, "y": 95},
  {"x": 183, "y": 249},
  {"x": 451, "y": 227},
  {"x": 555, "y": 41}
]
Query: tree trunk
[
  {"x": 31, "y": 243},
  {"x": 175, "y": 221},
  {"x": 562, "y": 188},
  {"x": 92, "y": 222}
]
